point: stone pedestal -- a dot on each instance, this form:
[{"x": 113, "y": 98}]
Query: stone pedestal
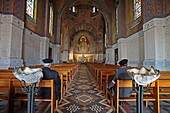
[
  {"x": 56, "y": 53},
  {"x": 154, "y": 41},
  {"x": 44, "y": 45},
  {"x": 110, "y": 56},
  {"x": 64, "y": 56},
  {"x": 11, "y": 38},
  {"x": 122, "y": 46}
]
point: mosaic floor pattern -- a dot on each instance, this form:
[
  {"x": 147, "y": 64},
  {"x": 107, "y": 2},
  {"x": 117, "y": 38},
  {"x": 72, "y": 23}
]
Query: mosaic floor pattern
[{"x": 83, "y": 96}]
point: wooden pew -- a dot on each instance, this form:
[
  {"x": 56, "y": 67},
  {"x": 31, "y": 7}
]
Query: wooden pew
[
  {"x": 5, "y": 92},
  {"x": 44, "y": 83},
  {"x": 109, "y": 77},
  {"x": 105, "y": 77},
  {"x": 164, "y": 89},
  {"x": 66, "y": 74},
  {"x": 164, "y": 86},
  {"x": 128, "y": 83},
  {"x": 164, "y": 75},
  {"x": 7, "y": 74}
]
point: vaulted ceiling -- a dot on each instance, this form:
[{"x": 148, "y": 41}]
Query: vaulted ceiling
[{"x": 87, "y": 17}]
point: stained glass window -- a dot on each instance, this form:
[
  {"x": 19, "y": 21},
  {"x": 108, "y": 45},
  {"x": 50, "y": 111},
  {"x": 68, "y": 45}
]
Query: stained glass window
[
  {"x": 117, "y": 20},
  {"x": 51, "y": 20},
  {"x": 137, "y": 9},
  {"x": 30, "y": 8}
]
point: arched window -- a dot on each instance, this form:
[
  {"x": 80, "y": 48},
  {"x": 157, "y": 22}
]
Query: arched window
[
  {"x": 31, "y": 8},
  {"x": 74, "y": 9},
  {"x": 94, "y": 10},
  {"x": 137, "y": 8},
  {"x": 51, "y": 19},
  {"x": 117, "y": 20}
]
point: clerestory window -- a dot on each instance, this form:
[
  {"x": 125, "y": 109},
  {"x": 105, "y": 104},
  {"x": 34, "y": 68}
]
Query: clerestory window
[{"x": 137, "y": 9}]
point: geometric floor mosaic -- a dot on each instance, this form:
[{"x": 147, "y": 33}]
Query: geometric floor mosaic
[{"x": 83, "y": 96}]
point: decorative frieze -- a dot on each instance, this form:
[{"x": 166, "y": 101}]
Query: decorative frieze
[
  {"x": 153, "y": 23},
  {"x": 167, "y": 20},
  {"x": 135, "y": 36},
  {"x": 13, "y": 20},
  {"x": 31, "y": 34},
  {"x": 167, "y": 25}
]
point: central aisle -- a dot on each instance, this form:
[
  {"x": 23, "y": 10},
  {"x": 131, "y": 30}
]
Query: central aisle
[{"x": 83, "y": 95}]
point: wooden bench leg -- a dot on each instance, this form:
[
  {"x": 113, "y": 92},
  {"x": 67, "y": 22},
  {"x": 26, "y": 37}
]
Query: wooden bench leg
[
  {"x": 57, "y": 103},
  {"x": 117, "y": 107},
  {"x": 146, "y": 103}
]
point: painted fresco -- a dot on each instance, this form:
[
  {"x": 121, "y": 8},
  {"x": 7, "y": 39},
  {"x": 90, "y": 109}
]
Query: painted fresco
[{"x": 83, "y": 45}]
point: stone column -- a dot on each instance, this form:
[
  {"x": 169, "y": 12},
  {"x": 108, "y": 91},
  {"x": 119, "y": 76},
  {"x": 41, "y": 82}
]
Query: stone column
[
  {"x": 44, "y": 47},
  {"x": 154, "y": 41},
  {"x": 100, "y": 57},
  {"x": 110, "y": 56},
  {"x": 56, "y": 53},
  {"x": 64, "y": 56},
  {"x": 122, "y": 49},
  {"x": 11, "y": 37}
]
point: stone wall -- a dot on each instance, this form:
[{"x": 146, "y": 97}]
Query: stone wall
[
  {"x": 10, "y": 41},
  {"x": 135, "y": 49},
  {"x": 167, "y": 40},
  {"x": 31, "y": 48},
  {"x": 36, "y": 48}
]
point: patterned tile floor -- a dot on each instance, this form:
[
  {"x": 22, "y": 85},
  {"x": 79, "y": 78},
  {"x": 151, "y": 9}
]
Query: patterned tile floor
[{"x": 84, "y": 96}]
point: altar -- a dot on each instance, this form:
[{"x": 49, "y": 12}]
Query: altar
[{"x": 83, "y": 58}]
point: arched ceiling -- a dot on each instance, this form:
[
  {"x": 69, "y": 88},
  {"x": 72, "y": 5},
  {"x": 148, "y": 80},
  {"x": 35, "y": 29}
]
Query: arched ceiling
[{"x": 83, "y": 20}]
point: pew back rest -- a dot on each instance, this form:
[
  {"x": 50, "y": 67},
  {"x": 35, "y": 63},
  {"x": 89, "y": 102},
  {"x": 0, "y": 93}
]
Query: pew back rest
[
  {"x": 124, "y": 83},
  {"x": 44, "y": 83},
  {"x": 5, "y": 86},
  {"x": 164, "y": 83}
]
